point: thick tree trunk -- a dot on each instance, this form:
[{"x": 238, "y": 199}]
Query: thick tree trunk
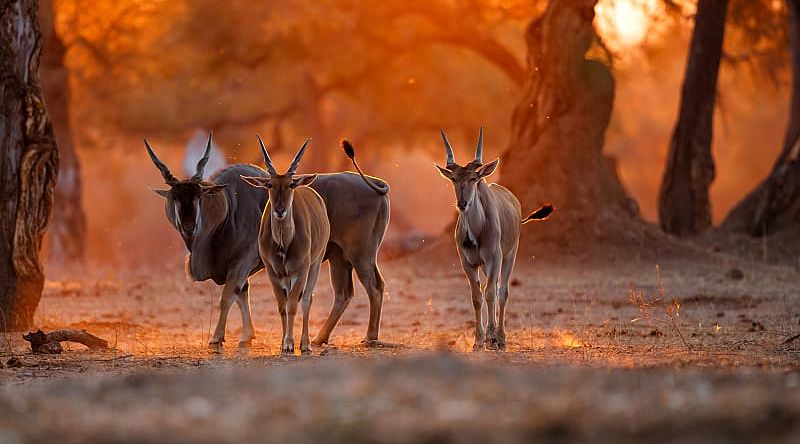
[
  {"x": 555, "y": 154},
  {"x": 67, "y": 232},
  {"x": 28, "y": 164},
  {"x": 684, "y": 207},
  {"x": 775, "y": 203}
]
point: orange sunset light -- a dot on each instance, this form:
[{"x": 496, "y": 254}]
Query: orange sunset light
[{"x": 626, "y": 23}]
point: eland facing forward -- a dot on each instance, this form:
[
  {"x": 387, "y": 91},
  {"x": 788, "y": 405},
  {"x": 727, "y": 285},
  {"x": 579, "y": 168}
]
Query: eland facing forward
[
  {"x": 292, "y": 242},
  {"x": 487, "y": 237},
  {"x": 218, "y": 220}
]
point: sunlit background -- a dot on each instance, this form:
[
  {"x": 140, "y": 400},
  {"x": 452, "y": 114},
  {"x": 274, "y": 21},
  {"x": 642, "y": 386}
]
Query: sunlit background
[{"x": 386, "y": 75}]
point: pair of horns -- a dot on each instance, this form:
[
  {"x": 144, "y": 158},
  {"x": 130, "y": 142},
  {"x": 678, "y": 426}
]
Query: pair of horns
[
  {"x": 451, "y": 158},
  {"x": 169, "y": 178},
  {"x": 295, "y": 162}
]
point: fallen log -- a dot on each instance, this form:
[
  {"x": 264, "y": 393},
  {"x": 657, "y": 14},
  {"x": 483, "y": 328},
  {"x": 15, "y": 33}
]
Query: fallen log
[{"x": 50, "y": 343}]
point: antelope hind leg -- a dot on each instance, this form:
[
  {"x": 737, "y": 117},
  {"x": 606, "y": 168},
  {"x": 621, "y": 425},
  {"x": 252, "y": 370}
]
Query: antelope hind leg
[
  {"x": 243, "y": 301},
  {"x": 373, "y": 283},
  {"x": 342, "y": 281}
]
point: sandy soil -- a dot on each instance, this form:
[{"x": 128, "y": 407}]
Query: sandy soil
[{"x": 689, "y": 350}]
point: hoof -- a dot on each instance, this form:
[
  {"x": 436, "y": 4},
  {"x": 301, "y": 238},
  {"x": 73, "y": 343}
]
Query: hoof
[
  {"x": 501, "y": 340},
  {"x": 306, "y": 352},
  {"x": 215, "y": 346},
  {"x": 478, "y": 346},
  {"x": 491, "y": 344},
  {"x": 374, "y": 343},
  {"x": 246, "y": 343},
  {"x": 318, "y": 342}
]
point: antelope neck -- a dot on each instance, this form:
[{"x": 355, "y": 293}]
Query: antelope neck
[
  {"x": 283, "y": 230},
  {"x": 474, "y": 218}
]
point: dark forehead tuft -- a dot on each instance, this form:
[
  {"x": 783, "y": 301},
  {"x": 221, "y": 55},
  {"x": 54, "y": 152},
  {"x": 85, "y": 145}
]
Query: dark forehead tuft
[
  {"x": 466, "y": 171},
  {"x": 474, "y": 165},
  {"x": 185, "y": 190}
]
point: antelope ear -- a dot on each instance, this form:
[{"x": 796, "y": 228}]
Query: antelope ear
[
  {"x": 162, "y": 193},
  {"x": 444, "y": 172},
  {"x": 488, "y": 169},
  {"x": 213, "y": 189},
  {"x": 304, "y": 179},
  {"x": 258, "y": 182}
]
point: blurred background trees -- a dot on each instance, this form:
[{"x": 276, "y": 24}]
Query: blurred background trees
[
  {"x": 684, "y": 205},
  {"x": 68, "y": 227},
  {"x": 774, "y": 205},
  {"x": 388, "y": 74}
]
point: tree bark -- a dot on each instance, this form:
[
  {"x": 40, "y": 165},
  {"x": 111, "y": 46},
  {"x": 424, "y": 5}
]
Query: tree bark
[
  {"x": 28, "y": 164},
  {"x": 67, "y": 232},
  {"x": 774, "y": 204},
  {"x": 556, "y": 149},
  {"x": 684, "y": 207}
]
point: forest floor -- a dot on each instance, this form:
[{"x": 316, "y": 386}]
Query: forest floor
[{"x": 680, "y": 349}]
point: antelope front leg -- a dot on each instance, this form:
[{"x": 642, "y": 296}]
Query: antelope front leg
[
  {"x": 293, "y": 297},
  {"x": 280, "y": 298},
  {"x": 490, "y": 293},
  {"x": 505, "y": 277},
  {"x": 225, "y": 302},
  {"x": 307, "y": 297},
  {"x": 477, "y": 302}
]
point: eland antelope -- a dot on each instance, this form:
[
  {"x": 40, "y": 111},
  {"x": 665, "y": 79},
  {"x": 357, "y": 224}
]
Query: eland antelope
[
  {"x": 292, "y": 241},
  {"x": 218, "y": 222},
  {"x": 487, "y": 237},
  {"x": 359, "y": 216}
]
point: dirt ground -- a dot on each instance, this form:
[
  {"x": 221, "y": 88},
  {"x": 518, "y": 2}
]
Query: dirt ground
[{"x": 682, "y": 349}]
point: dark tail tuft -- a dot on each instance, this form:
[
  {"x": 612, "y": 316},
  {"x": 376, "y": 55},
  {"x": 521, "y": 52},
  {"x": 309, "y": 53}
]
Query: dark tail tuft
[
  {"x": 381, "y": 188},
  {"x": 348, "y": 149},
  {"x": 541, "y": 214}
]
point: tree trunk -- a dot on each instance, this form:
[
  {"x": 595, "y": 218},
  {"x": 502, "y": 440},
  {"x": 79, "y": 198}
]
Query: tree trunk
[
  {"x": 684, "y": 207},
  {"x": 67, "y": 232},
  {"x": 28, "y": 164},
  {"x": 774, "y": 204},
  {"x": 555, "y": 154}
]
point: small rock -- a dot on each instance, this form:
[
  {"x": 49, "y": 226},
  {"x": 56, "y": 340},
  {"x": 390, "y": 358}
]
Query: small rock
[
  {"x": 735, "y": 274},
  {"x": 756, "y": 326}
]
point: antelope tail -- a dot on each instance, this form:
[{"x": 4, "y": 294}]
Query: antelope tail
[
  {"x": 541, "y": 214},
  {"x": 380, "y": 187}
]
